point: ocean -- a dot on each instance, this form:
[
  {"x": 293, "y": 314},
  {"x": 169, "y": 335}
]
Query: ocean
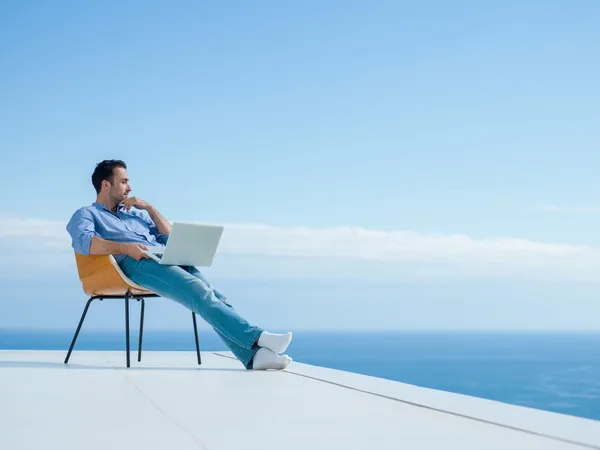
[{"x": 554, "y": 371}]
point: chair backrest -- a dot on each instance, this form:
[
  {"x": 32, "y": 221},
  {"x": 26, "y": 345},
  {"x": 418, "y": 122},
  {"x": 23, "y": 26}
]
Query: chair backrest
[{"x": 101, "y": 275}]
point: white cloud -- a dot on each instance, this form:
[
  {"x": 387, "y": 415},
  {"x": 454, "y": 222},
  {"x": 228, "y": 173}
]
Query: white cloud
[
  {"x": 33, "y": 248},
  {"x": 16, "y": 227},
  {"x": 574, "y": 210},
  {"x": 392, "y": 245},
  {"x": 340, "y": 251}
]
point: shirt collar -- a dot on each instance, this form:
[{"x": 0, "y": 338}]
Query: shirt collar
[{"x": 103, "y": 206}]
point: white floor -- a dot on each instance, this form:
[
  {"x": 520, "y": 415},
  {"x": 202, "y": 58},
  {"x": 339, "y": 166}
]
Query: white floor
[{"x": 169, "y": 402}]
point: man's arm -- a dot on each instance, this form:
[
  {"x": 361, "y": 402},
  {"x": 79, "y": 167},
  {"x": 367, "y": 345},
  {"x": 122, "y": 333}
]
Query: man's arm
[
  {"x": 82, "y": 231},
  {"x": 162, "y": 225},
  {"x": 159, "y": 226},
  {"x": 101, "y": 246},
  {"x": 85, "y": 241}
]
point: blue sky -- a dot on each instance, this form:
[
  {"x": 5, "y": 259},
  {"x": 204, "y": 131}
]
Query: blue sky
[{"x": 387, "y": 164}]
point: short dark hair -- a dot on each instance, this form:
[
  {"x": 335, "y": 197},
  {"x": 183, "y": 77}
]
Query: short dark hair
[{"x": 105, "y": 171}]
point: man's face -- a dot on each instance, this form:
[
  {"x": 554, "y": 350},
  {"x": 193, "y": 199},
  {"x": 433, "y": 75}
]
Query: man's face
[{"x": 119, "y": 189}]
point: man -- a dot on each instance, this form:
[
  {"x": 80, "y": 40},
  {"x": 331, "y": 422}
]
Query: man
[{"x": 114, "y": 224}]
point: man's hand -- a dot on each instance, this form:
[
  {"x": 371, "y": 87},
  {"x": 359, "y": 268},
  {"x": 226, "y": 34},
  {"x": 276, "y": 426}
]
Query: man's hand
[
  {"x": 161, "y": 223},
  {"x": 136, "y": 251},
  {"x": 136, "y": 203}
]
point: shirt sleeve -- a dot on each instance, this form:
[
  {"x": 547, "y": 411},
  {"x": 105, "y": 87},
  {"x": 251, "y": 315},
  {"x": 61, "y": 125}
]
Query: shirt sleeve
[
  {"x": 81, "y": 229},
  {"x": 160, "y": 238}
]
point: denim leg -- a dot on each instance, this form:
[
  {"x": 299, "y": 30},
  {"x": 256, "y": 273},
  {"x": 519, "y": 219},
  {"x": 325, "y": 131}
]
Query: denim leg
[
  {"x": 245, "y": 356},
  {"x": 191, "y": 291},
  {"x": 194, "y": 271},
  {"x": 241, "y": 353}
]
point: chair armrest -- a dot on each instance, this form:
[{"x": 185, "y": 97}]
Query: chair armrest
[{"x": 101, "y": 275}]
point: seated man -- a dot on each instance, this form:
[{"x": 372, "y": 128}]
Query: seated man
[{"x": 110, "y": 226}]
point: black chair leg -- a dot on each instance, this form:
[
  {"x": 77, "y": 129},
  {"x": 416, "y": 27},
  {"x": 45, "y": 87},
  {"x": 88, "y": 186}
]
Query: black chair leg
[
  {"x": 127, "y": 343},
  {"x": 87, "y": 306},
  {"x": 127, "y": 326},
  {"x": 141, "y": 330},
  {"x": 196, "y": 336}
]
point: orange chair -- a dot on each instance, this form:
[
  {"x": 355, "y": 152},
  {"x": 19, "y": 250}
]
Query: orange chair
[{"x": 102, "y": 278}]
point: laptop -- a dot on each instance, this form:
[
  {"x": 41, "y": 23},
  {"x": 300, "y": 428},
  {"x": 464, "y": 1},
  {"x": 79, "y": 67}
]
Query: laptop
[{"x": 189, "y": 244}]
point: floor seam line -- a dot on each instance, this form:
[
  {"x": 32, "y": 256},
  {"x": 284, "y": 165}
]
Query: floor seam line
[
  {"x": 160, "y": 410},
  {"x": 443, "y": 411}
]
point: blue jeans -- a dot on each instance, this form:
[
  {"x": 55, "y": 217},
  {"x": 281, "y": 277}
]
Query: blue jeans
[{"x": 187, "y": 286}]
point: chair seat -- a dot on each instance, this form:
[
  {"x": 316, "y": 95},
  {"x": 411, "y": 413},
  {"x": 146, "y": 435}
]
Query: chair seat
[{"x": 101, "y": 275}]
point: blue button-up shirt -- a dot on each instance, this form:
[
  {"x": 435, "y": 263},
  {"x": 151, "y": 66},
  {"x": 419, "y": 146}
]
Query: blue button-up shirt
[{"x": 131, "y": 227}]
